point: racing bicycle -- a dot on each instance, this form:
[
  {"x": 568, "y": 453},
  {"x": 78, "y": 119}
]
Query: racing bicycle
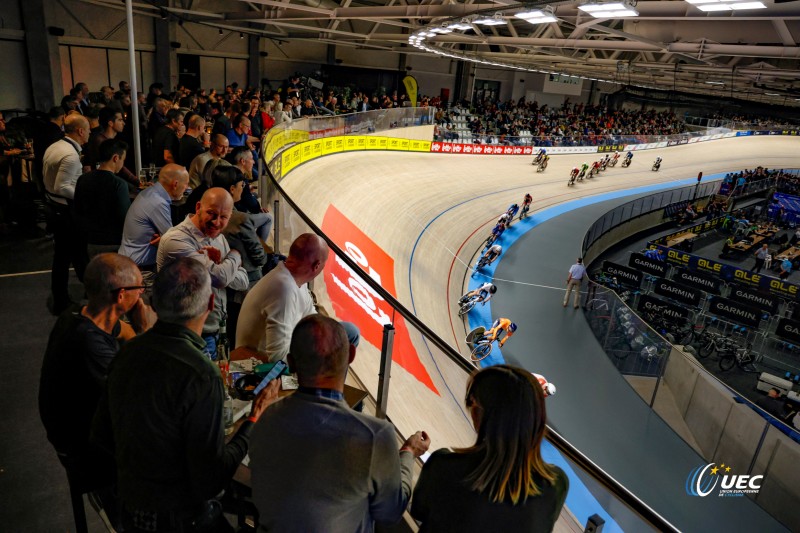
[
  {"x": 542, "y": 165},
  {"x": 480, "y": 346},
  {"x": 744, "y": 357},
  {"x": 627, "y": 162},
  {"x": 467, "y": 305}
]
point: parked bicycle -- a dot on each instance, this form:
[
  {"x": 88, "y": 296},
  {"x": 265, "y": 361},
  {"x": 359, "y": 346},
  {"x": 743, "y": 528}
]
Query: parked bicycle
[{"x": 744, "y": 357}]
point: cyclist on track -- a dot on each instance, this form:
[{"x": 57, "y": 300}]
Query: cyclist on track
[
  {"x": 491, "y": 254},
  {"x": 575, "y": 172},
  {"x": 616, "y": 156},
  {"x": 483, "y": 294},
  {"x": 540, "y": 154},
  {"x": 548, "y": 388},
  {"x": 596, "y": 166},
  {"x": 503, "y": 218},
  {"x": 512, "y": 211},
  {"x": 526, "y": 202},
  {"x": 584, "y": 168},
  {"x": 498, "y": 230},
  {"x": 629, "y": 156},
  {"x": 500, "y": 326}
]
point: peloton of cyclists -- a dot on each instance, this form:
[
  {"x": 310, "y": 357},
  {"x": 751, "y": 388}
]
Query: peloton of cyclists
[{"x": 482, "y": 294}]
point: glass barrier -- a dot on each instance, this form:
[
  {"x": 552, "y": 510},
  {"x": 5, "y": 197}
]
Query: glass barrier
[
  {"x": 287, "y": 134},
  {"x": 428, "y": 377},
  {"x": 706, "y": 122}
]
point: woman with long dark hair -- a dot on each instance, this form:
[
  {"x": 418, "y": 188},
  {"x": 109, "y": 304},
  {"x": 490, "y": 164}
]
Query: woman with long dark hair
[{"x": 501, "y": 482}]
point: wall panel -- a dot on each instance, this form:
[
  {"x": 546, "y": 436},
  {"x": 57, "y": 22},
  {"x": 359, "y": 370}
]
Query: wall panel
[
  {"x": 89, "y": 66},
  {"x": 16, "y": 91},
  {"x": 212, "y": 73},
  {"x": 236, "y": 71},
  {"x": 66, "y": 73}
]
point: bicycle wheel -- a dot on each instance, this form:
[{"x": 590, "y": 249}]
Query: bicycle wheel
[
  {"x": 684, "y": 336},
  {"x": 706, "y": 348},
  {"x": 727, "y": 361},
  {"x": 480, "y": 352},
  {"x": 466, "y": 308}
]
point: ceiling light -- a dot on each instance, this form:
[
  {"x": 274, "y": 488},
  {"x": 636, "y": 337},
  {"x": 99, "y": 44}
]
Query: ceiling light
[
  {"x": 714, "y": 7},
  {"x": 772, "y": 94},
  {"x": 495, "y": 20},
  {"x": 609, "y": 9},
  {"x": 441, "y": 29},
  {"x": 538, "y": 16},
  {"x": 747, "y": 5},
  {"x": 462, "y": 25},
  {"x": 715, "y": 82}
]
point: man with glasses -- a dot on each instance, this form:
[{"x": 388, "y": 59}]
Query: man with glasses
[
  {"x": 82, "y": 344},
  {"x": 218, "y": 150},
  {"x": 239, "y": 134}
]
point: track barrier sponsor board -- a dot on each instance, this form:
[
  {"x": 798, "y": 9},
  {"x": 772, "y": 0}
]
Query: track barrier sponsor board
[
  {"x": 648, "y": 265},
  {"x": 649, "y": 304},
  {"x": 624, "y": 275},
  {"x": 698, "y": 281},
  {"x": 740, "y": 313},
  {"x": 788, "y": 329},
  {"x": 675, "y": 291},
  {"x": 729, "y": 273},
  {"x": 766, "y": 302}
]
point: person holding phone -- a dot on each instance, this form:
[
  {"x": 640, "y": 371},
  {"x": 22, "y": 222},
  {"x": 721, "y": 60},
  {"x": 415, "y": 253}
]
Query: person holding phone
[{"x": 162, "y": 416}]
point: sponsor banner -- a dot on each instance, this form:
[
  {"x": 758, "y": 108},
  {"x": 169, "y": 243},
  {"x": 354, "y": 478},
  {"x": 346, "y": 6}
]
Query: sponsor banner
[
  {"x": 743, "y": 133},
  {"x": 672, "y": 143},
  {"x": 684, "y": 141},
  {"x": 729, "y": 134},
  {"x": 410, "y": 83},
  {"x": 703, "y": 138},
  {"x": 715, "y": 136},
  {"x": 729, "y": 273},
  {"x": 611, "y": 148},
  {"x": 788, "y": 329},
  {"x": 702, "y": 227},
  {"x": 419, "y": 146},
  {"x": 789, "y": 132},
  {"x": 494, "y": 149},
  {"x": 624, "y": 275},
  {"x": 735, "y": 311},
  {"x": 290, "y": 158},
  {"x": 694, "y": 140},
  {"x": 677, "y": 292},
  {"x": 355, "y": 301},
  {"x": 767, "y": 302},
  {"x": 698, "y": 281},
  {"x": 645, "y": 264},
  {"x": 648, "y": 304}
]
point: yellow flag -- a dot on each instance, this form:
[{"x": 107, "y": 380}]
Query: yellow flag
[{"x": 411, "y": 89}]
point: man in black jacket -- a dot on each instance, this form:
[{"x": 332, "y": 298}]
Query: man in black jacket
[{"x": 163, "y": 413}]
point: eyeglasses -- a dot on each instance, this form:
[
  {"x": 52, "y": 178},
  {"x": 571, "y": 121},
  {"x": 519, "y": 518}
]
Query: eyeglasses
[{"x": 132, "y": 288}]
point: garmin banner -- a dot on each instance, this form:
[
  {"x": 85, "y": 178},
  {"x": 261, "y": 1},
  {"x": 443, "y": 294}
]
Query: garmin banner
[
  {"x": 729, "y": 273},
  {"x": 625, "y": 275},
  {"x": 645, "y": 264},
  {"x": 679, "y": 293},
  {"x": 697, "y": 280},
  {"x": 767, "y": 302},
  {"x": 735, "y": 311},
  {"x": 788, "y": 329},
  {"x": 648, "y": 304}
]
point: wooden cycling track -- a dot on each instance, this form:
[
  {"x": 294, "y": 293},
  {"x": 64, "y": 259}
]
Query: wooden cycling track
[{"x": 430, "y": 213}]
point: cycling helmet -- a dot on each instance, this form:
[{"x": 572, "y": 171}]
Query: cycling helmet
[
  {"x": 512, "y": 327},
  {"x": 493, "y": 289},
  {"x": 549, "y": 389}
]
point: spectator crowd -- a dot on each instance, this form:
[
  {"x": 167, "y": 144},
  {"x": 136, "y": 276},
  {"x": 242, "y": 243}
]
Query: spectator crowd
[
  {"x": 135, "y": 392},
  {"x": 568, "y": 125}
]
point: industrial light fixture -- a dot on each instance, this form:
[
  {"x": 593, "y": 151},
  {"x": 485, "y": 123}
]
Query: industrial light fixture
[
  {"x": 725, "y": 5},
  {"x": 715, "y": 82},
  {"x": 241, "y": 35},
  {"x": 443, "y": 29},
  {"x": 772, "y": 94},
  {"x": 462, "y": 25},
  {"x": 495, "y": 20},
  {"x": 609, "y": 9},
  {"x": 538, "y": 16}
]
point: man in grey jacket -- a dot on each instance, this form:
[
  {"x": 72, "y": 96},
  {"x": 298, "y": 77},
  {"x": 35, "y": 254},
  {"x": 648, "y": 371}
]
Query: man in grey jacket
[
  {"x": 317, "y": 465},
  {"x": 200, "y": 237}
]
